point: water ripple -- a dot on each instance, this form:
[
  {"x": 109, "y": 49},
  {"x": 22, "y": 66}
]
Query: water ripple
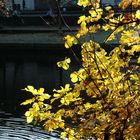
[{"x": 13, "y": 128}]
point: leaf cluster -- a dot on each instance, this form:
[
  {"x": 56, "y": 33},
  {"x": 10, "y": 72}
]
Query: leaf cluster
[{"x": 104, "y": 100}]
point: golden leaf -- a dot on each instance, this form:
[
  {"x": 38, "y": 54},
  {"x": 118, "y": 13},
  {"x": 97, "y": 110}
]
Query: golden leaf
[
  {"x": 138, "y": 14},
  {"x": 138, "y": 61},
  {"x": 124, "y": 3},
  {"x": 81, "y": 19},
  {"x": 61, "y": 125},
  {"x": 27, "y": 113},
  {"x": 56, "y": 95},
  {"x": 108, "y": 8},
  {"x": 29, "y": 101},
  {"x": 74, "y": 77},
  {"x": 29, "y": 119},
  {"x": 63, "y": 134},
  {"x": 64, "y": 64},
  {"x": 41, "y": 91},
  {"x": 93, "y": 13}
]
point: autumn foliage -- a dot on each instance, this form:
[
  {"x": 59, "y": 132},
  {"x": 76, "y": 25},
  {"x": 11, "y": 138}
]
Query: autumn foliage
[{"x": 104, "y": 100}]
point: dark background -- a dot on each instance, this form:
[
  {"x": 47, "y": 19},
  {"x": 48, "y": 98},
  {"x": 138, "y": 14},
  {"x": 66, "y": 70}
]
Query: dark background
[{"x": 22, "y": 66}]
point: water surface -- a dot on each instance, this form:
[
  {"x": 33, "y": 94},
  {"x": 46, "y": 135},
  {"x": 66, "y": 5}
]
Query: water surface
[{"x": 15, "y": 128}]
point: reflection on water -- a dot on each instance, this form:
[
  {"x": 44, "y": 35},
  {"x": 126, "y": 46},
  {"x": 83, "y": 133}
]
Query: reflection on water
[{"x": 13, "y": 128}]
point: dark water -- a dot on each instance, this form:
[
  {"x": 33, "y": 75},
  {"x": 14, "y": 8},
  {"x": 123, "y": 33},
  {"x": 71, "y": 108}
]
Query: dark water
[{"x": 14, "y": 128}]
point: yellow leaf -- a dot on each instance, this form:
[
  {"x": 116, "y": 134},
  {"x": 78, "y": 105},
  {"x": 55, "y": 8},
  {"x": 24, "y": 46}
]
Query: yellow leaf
[
  {"x": 36, "y": 106},
  {"x": 83, "y": 3},
  {"x": 29, "y": 101},
  {"x": 27, "y": 113},
  {"x": 66, "y": 45},
  {"x": 134, "y": 77},
  {"x": 74, "y": 77},
  {"x": 93, "y": 13},
  {"x": 70, "y": 137},
  {"x": 138, "y": 60},
  {"x": 69, "y": 41},
  {"x": 67, "y": 87},
  {"x": 56, "y": 95},
  {"x": 81, "y": 19},
  {"x": 61, "y": 125},
  {"x": 41, "y": 91},
  {"x": 108, "y": 8},
  {"x": 44, "y": 97},
  {"x": 138, "y": 14},
  {"x": 29, "y": 119},
  {"x": 136, "y": 48},
  {"x": 62, "y": 100},
  {"x": 64, "y": 64},
  {"x": 87, "y": 106},
  {"x": 124, "y": 3},
  {"x": 63, "y": 134},
  {"x": 83, "y": 25},
  {"x": 31, "y": 89}
]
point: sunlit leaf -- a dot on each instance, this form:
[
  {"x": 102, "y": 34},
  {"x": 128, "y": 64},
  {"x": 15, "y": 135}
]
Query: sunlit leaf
[
  {"x": 102, "y": 100},
  {"x": 108, "y": 8},
  {"x": 138, "y": 14},
  {"x": 74, "y": 77},
  {"x": 64, "y": 64},
  {"x": 29, "y": 119},
  {"x": 29, "y": 101},
  {"x": 41, "y": 91},
  {"x": 138, "y": 61}
]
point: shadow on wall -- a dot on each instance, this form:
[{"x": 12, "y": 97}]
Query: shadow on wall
[{"x": 22, "y": 67}]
